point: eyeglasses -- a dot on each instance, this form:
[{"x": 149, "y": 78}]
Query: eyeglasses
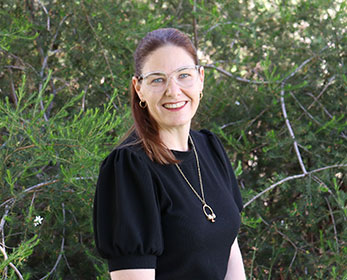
[{"x": 158, "y": 82}]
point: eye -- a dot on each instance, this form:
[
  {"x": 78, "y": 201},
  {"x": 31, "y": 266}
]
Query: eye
[
  {"x": 156, "y": 80},
  {"x": 184, "y": 76}
]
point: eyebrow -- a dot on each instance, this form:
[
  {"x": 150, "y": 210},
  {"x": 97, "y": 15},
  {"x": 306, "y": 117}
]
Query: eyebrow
[
  {"x": 164, "y": 74},
  {"x": 155, "y": 73}
]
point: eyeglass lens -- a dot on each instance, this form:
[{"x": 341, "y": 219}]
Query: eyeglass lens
[{"x": 185, "y": 78}]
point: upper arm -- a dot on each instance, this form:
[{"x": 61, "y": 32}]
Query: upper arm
[
  {"x": 133, "y": 274},
  {"x": 127, "y": 214}
]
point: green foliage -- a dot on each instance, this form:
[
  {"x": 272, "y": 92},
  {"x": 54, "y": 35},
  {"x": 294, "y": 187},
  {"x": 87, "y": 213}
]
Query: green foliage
[
  {"x": 50, "y": 170},
  {"x": 65, "y": 69},
  {"x": 19, "y": 255}
]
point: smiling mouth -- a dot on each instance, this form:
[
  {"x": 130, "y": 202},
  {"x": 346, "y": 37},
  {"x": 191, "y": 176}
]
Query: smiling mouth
[{"x": 175, "y": 105}]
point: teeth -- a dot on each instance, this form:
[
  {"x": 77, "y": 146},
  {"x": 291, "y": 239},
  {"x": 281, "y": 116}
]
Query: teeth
[{"x": 175, "y": 105}]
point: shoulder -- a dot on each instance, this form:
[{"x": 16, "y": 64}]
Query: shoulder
[
  {"x": 126, "y": 154},
  {"x": 207, "y": 141},
  {"x": 126, "y": 168},
  {"x": 206, "y": 138},
  {"x": 201, "y": 135}
]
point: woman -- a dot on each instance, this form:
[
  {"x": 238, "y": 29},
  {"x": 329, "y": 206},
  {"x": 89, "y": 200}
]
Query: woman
[{"x": 167, "y": 202}]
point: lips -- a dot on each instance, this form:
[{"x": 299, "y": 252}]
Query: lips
[{"x": 174, "y": 105}]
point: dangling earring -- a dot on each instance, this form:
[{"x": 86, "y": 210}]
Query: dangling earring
[
  {"x": 201, "y": 95},
  {"x": 142, "y": 104}
]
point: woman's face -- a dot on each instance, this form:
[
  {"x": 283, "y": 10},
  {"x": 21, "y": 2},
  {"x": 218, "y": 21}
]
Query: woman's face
[{"x": 176, "y": 105}]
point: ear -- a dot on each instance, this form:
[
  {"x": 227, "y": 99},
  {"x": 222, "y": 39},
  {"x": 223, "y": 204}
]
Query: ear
[
  {"x": 202, "y": 77},
  {"x": 137, "y": 87}
]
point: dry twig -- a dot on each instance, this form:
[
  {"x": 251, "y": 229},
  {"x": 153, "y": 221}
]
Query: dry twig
[
  {"x": 303, "y": 108},
  {"x": 291, "y": 132},
  {"x": 48, "y": 18},
  {"x": 2, "y": 249},
  {"x": 320, "y": 104},
  {"x": 104, "y": 53},
  {"x": 47, "y": 183},
  {"x": 195, "y": 28},
  {"x": 13, "y": 90},
  {"x": 333, "y": 220},
  {"x": 61, "y": 247},
  {"x": 3, "y": 246},
  {"x": 330, "y": 81},
  {"x": 289, "y": 178},
  {"x": 286, "y": 238},
  {"x": 226, "y": 73}
]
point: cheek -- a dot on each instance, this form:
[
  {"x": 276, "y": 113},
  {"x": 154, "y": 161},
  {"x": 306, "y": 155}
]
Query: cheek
[
  {"x": 197, "y": 93},
  {"x": 195, "y": 101},
  {"x": 153, "y": 104}
]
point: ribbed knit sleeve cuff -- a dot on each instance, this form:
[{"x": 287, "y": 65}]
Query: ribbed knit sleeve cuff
[{"x": 132, "y": 262}]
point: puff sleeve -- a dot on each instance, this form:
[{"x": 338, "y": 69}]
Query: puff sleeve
[
  {"x": 126, "y": 212},
  {"x": 228, "y": 168}
]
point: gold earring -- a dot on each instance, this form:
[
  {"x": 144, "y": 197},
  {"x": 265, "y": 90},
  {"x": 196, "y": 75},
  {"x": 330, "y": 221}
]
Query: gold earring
[
  {"x": 142, "y": 104},
  {"x": 201, "y": 95}
]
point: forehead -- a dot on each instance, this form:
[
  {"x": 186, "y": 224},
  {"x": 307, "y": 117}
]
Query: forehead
[{"x": 167, "y": 59}]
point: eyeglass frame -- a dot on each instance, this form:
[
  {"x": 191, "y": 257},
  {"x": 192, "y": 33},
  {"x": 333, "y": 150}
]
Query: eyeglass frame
[{"x": 143, "y": 76}]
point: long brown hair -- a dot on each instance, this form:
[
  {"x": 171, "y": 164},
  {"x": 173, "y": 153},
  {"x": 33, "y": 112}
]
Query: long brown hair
[{"x": 145, "y": 126}]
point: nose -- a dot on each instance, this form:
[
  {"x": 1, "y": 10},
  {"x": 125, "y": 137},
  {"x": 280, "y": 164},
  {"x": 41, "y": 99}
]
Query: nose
[{"x": 173, "y": 89}]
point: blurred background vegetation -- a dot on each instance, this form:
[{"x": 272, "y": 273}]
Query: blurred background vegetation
[{"x": 275, "y": 93}]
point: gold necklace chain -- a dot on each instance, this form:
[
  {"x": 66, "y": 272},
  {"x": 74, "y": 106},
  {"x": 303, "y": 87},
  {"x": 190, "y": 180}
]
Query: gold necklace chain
[{"x": 210, "y": 215}]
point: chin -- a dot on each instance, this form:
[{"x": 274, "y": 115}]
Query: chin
[{"x": 176, "y": 124}]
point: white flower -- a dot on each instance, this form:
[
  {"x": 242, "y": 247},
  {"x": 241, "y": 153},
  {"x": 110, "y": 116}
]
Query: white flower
[
  {"x": 237, "y": 103},
  {"x": 38, "y": 221}
]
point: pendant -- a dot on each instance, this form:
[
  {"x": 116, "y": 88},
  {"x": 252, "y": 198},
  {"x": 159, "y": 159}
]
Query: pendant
[{"x": 209, "y": 213}]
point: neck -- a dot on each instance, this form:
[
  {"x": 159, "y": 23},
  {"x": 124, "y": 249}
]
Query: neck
[{"x": 175, "y": 138}]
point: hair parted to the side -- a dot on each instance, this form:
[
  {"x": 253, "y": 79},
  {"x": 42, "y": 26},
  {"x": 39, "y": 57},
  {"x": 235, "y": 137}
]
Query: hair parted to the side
[{"x": 145, "y": 126}]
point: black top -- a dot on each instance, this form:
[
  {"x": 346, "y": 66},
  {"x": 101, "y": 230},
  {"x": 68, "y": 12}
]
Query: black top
[{"x": 146, "y": 215}]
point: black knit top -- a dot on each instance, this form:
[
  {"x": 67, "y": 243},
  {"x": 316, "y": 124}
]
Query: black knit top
[{"x": 146, "y": 215}]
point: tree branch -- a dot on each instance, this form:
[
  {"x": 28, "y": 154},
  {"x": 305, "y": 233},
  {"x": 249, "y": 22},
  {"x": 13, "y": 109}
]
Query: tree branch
[
  {"x": 56, "y": 33},
  {"x": 218, "y": 24},
  {"x": 21, "y": 61},
  {"x": 84, "y": 95},
  {"x": 320, "y": 104},
  {"x": 233, "y": 42},
  {"x": 291, "y": 132},
  {"x": 48, "y": 18},
  {"x": 250, "y": 123},
  {"x": 196, "y": 42},
  {"x": 13, "y": 90},
  {"x": 321, "y": 93},
  {"x": 303, "y": 108},
  {"x": 103, "y": 53},
  {"x": 61, "y": 247},
  {"x": 45, "y": 57},
  {"x": 2, "y": 225},
  {"x": 285, "y": 237},
  {"x": 333, "y": 220},
  {"x": 298, "y": 69},
  {"x": 289, "y": 179},
  {"x": 229, "y": 124},
  {"x": 228, "y": 74},
  {"x": 47, "y": 183},
  {"x": 2, "y": 249},
  {"x": 49, "y": 53}
]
